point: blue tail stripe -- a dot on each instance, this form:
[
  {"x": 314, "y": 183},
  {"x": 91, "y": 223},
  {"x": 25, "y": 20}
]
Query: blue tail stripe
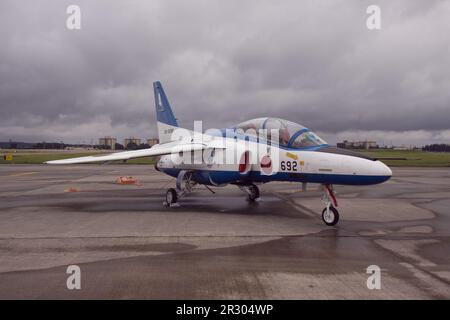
[{"x": 164, "y": 112}]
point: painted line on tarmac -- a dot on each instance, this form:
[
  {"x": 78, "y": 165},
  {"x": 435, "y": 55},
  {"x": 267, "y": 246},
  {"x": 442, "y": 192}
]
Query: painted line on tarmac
[{"x": 22, "y": 174}]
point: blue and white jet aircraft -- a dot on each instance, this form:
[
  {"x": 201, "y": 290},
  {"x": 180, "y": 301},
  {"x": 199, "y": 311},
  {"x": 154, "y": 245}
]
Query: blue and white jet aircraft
[{"x": 287, "y": 151}]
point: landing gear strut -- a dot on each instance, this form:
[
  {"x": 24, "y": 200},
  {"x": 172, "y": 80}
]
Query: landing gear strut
[
  {"x": 252, "y": 192},
  {"x": 330, "y": 215}
]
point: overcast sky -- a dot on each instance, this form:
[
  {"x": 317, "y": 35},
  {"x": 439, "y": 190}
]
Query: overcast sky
[{"x": 312, "y": 62}]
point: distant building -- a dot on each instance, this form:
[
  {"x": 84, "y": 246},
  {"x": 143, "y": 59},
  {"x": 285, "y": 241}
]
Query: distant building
[
  {"x": 405, "y": 147},
  {"x": 357, "y": 144},
  {"x": 127, "y": 141},
  {"x": 152, "y": 141},
  {"x": 108, "y": 141}
]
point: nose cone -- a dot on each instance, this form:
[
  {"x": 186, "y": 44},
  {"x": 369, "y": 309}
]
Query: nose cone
[
  {"x": 365, "y": 170},
  {"x": 370, "y": 171},
  {"x": 383, "y": 171}
]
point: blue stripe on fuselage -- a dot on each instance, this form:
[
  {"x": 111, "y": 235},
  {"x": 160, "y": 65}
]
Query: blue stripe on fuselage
[{"x": 220, "y": 177}]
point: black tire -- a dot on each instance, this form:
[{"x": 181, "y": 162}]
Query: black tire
[
  {"x": 254, "y": 193},
  {"x": 332, "y": 219},
  {"x": 171, "y": 196}
]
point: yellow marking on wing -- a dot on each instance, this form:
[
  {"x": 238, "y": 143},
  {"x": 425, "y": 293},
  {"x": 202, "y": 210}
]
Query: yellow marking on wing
[
  {"x": 291, "y": 155},
  {"x": 302, "y": 163},
  {"x": 22, "y": 174}
]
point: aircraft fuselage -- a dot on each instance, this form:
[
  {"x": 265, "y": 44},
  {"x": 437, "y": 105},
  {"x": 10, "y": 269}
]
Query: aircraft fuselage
[{"x": 320, "y": 165}]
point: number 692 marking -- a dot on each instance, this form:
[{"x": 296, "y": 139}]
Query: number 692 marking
[{"x": 288, "y": 165}]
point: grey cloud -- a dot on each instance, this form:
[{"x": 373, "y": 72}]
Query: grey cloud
[{"x": 223, "y": 62}]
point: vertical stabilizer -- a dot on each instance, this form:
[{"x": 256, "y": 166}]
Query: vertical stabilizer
[{"x": 164, "y": 114}]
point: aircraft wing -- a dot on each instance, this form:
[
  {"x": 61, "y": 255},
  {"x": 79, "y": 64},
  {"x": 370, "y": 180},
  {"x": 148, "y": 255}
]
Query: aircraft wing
[{"x": 157, "y": 150}]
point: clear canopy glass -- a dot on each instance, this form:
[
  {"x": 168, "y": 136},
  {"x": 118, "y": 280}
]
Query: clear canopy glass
[{"x": 289, "y": 134}]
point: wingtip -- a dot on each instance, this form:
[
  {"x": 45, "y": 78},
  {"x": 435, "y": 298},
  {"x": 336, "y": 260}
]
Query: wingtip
[{"x": 51, "y": 162}]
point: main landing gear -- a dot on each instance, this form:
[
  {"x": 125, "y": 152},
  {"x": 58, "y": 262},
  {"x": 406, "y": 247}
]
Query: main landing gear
[
  {"x": 252, "y": 192},
  {"x": 185, "y": 185},
  {"x": 330, "y": 215},
  {"x": 171, "y": 197}
]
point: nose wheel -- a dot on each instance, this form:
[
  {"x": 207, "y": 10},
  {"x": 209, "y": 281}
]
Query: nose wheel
[{"x": 330, "y": 216}]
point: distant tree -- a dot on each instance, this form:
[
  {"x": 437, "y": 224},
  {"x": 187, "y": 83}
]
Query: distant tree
[
  {"x": 143, "y": 146},
  {"x": 48, "y": 145},
  {"x": 119, "y": 146},
  {"x": 103, "y": 147},
  {"x": 132, "y": 146},
  {"x": 437, "y": 148}
]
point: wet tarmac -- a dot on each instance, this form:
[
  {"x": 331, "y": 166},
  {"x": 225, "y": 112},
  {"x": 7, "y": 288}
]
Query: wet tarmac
[{"x": 214, "y": 246}]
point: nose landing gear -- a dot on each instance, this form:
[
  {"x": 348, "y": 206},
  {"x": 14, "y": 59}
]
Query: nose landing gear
[{"x": 330, "y": 215}]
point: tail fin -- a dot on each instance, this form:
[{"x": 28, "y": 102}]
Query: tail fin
[{"x": 164, "y": 115}]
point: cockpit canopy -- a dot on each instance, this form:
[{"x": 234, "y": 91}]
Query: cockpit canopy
[{"x": 287, "y": 133}]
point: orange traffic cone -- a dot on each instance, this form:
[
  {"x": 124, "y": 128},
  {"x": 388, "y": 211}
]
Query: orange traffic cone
[{"x": 127, "y": 180}]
